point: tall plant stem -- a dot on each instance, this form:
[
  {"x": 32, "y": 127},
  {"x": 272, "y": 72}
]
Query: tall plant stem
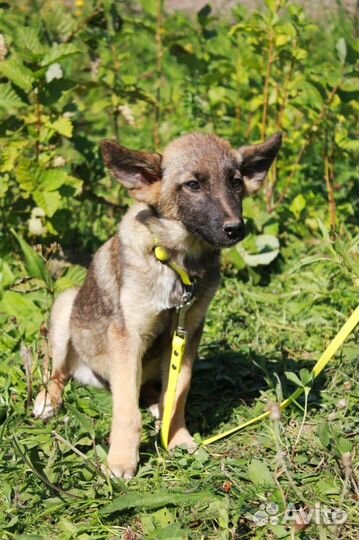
[
  {"x": 159, "y": 69},
  {"x": 285, "y": 95},
  {"x": 271, "y": 180},
  {"x": 266, "y": 83},
  {"x": 38, "y": 123},
  {"x": 272, "y": 177},
  {"x": 328, "y": 175},
  {"x": 115, "y": 111},
  {"x": 306, "y": 391},
  {"x": 305, "y": 144}
]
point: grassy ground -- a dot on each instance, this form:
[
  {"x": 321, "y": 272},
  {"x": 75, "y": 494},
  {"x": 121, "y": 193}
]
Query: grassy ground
[{"x": 51, "y": 484}]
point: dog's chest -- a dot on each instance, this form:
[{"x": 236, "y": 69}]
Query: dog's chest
[
  {"x": 166, "y": 291},
  {"x": 145, "y": 295}
]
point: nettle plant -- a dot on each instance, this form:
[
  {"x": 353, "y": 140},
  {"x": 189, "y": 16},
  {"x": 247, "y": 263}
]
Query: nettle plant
[
  {"x": 68, "y": 78},
  {"x": 36, "y": 116}
]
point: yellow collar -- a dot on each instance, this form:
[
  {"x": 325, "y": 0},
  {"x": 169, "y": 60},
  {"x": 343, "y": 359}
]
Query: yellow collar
[{"x": 162, "y": 255}]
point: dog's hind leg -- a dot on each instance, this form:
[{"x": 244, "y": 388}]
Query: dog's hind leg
[{"x": 49, "y": 400}]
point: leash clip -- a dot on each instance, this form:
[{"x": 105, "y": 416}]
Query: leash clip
[{"x": 181, "y": 310}]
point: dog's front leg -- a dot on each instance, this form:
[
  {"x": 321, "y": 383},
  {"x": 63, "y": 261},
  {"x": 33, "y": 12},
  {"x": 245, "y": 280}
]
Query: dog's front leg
[
  {"x": 179, "y": 434},
  {"x": 125, "y": 379}
]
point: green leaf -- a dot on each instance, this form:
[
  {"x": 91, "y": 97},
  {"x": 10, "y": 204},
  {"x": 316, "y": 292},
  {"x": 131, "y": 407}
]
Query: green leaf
[
  {"x": 233, "y": 257},
  {"x": 9, "y": 154},
  {"x": 278, "y": 531},
  {"x": 351, "y": 145},
  {"x": 218, "y": 508},
  {"x": 293, "y": 378},
  {"x": 350, "y": 84},
  {"x": 53, "y": 179},
  {"x": 267, "y": 247},
  {"x": 298, "y": 205},
  {"x": 74, "y": 277},
  {"x": 204, "y": 13},
  {"x": 271, "y": 5},
  {"x": 327, "y": 487},
  {"x": 9, "y": 100},
  {"x": 86, "y": 426},
  {"x": 324, "y": 433},
  {"x": 17, "y": 73},
  {"x": 284, "y": 34},
  {"x": 43, "y": 185},
  {"x": 35, "y": 265},
  {"x": 49, "y": 201},
  {"x": 172, "y": 532},
  {"x": 306, "y": 376},
  {"x": 7, "y": 277},
  {"x": 23, "y": 309},
  {"x": 282, "y": 39},
  {"x": 155, "y": 500},
  {"x": 63, "y": 126},
  {"x": 129, "y": 80},
  {"x": 300, "y": 54},
  {"x": 28, "y": 43},
  {"x": 308, "y": 95},
  {"x": 217, "y": 95},
  {"x": 344, "y": 446},
  {"x": 259, "y": 474},
  {"x": 4, "y": 185},
  {"x": 27, "y": 175},
  {"x": 161, "y": 524},
  {"x": 59, "y": 52},
  {"x": 325, "y": 234},
  {"x": 341, "y": 48},
  {"x": 149, "y": 7}
]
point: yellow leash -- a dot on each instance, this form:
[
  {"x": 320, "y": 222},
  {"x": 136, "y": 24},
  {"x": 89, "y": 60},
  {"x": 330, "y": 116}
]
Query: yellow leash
[
  {"x": 179, "y": 340},
  {"x": 328, "y": 354},
  {"x": 179, "y": 344},
  {"x": 178, "y": 348}
]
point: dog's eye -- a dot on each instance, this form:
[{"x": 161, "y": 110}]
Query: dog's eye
[
  {"x": 237, "y": 182},
  {"x": 193, "y": 185}
]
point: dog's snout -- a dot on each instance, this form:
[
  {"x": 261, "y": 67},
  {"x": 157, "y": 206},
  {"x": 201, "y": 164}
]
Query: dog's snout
[{"x": 234, "y": 229}]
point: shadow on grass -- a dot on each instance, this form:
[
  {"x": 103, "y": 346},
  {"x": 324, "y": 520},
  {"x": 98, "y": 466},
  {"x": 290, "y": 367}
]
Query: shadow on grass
[
  {"x": 225, "y": 381},
  {"x": 226, "y": 386}
]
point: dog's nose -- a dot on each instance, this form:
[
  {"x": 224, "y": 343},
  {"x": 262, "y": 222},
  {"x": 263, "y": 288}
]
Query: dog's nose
[{"x": 234, "y": 229}]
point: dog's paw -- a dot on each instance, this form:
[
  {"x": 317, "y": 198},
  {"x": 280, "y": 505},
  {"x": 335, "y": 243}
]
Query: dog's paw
[
  {"x": 121, "y": 471},
  {"x": 44, "y": 406},
  {"x": 120, "y": 468},
  {"x": 183, "y": 438},
  {"x": 122, "y": 464}
]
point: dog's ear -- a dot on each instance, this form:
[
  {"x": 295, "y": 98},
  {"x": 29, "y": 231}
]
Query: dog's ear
[
  {"x": 256, "y": 161},
  {"x": 139, "y": 172}
]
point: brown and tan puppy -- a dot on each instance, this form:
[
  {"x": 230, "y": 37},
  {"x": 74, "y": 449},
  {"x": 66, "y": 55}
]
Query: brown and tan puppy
[{"x": 117, "y": 327}]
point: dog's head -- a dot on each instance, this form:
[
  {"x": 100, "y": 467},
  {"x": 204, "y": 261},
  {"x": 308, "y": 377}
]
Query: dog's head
[{"x": 200, "y": 181}]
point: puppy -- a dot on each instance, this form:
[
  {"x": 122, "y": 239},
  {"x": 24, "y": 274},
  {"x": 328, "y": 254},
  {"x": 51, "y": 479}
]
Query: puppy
[{"x": 117, "y": 328}]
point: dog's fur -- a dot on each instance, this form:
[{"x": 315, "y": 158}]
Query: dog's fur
[{"x": 117, "y": 328}]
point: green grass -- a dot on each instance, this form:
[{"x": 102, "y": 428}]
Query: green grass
[{"x": 51, "y": 480}]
